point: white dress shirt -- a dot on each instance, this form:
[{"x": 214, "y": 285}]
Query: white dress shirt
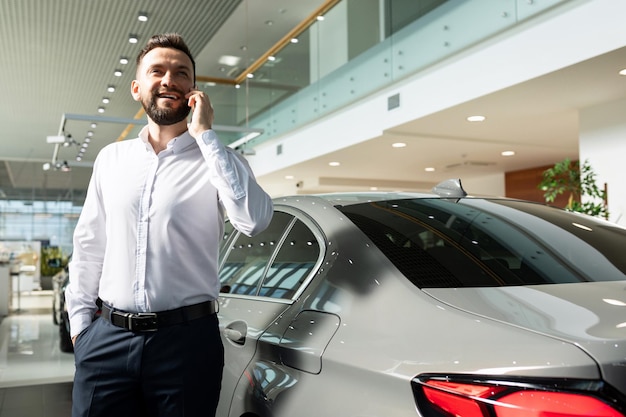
[{"x": 147, "y": 237}]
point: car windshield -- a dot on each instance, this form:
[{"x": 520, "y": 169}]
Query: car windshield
[{"x": 440, "y": 243}]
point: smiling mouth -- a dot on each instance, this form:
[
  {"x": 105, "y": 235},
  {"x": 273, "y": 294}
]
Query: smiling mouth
[{"x": 168, "y": 96}]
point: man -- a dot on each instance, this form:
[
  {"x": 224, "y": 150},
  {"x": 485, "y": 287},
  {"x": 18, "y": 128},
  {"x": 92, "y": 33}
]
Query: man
[{"x": 146, "y": 245}]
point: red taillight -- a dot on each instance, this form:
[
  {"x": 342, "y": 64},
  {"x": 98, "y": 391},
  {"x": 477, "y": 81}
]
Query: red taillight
[
  {"x": 453, "y": 399},
  {"x": 552, "y": 404}
]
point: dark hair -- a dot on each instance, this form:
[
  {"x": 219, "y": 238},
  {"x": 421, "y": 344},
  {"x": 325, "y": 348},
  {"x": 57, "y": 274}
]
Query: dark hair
[{"x": 167, "y": 40}]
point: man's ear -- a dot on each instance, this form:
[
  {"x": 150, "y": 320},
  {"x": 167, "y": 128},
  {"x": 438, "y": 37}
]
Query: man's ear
[{"x": 135, "y": 90}]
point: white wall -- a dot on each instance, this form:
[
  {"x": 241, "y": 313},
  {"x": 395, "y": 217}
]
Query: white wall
[{"x": 603, "y": 143}]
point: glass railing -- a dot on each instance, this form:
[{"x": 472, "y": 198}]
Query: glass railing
[{"x": 355, "y": 49}]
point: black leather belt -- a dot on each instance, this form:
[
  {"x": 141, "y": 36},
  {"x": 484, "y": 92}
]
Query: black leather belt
[{"x": 149, "y": 322}]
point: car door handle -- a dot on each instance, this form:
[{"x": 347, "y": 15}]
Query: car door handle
[{"x": 234, "y": 335}]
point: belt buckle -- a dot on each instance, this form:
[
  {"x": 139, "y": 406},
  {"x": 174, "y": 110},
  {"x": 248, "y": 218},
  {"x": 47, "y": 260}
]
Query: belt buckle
[{"x": 142, "y": 322}]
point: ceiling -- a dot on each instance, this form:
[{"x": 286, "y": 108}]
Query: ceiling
[{"x": 59, "y": 57}]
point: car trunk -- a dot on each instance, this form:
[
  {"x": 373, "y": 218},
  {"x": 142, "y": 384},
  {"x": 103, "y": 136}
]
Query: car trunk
[{"x": 590, "y": 315}]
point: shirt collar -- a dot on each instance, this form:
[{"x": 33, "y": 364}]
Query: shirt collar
[{"x": 176, "y": 145}]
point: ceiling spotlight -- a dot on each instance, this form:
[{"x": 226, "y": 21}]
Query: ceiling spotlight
[
  {"x": 87, "y": 140},
  {"x": 429, "y": 169},
  {"x": 133, "y": 38},
  {"x": 623, "y": 72},
  {"x": 507, "y": 153},
  {"x": 334, "y": 164},
  {"x": 250, "y": 75},
  {"x": 64, "y": 166},
  {"x": 320, "y": 18},
  {"x": 100, "y": 109},
  {"x": 89, "y": 133},
  {"x": 93, "y": 126},
  {"x": 294, "y": 40},
  {"x": 123, "y": 60},
  {"x": 106, "y": 100},
  {"x": 142, "y": 17},
  {"x": 229, "y": 60},
  {"x": 111, "y": 89},
  {"x": 271, "y": 58},
  {"x": 118, "y": 73},
  {"x": 476, "y": 118},
  {"x": 398, "y": 145}
]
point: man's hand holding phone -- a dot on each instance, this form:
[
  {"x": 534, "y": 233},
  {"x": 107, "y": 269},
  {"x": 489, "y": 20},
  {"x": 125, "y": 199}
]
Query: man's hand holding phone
[{"x": 202, "y": 112}]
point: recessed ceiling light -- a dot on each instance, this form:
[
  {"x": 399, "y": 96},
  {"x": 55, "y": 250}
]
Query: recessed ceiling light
[
  {"x": 90, "y": 133},
  {"x": 229, "y": 60},
  {"x": 507, "y": 153},
  {"x": 373, "y": 188},
  {"x": 320, "y": 18},
  {"x": 100, "y": 109},
  {"x": 429, "y": 169},
  {"x": 289, "y": 177},
  {"x": 106, "y": 100},
  {"x": 398, "y": 145},
  {"x": 123, "y": 60},
  {"x": 118, "y": 73},
  {"x": 476, "y": 118},
  {"x": 133, "y": 38},
  {"x": 93, "y": 125},
  {"x": 142, "y": 17},
  {"x": 269, "y": 22},
  {"x": 250, "y": 75},
  {"x": 623, "y": 72},
  {"x": 237, "y": 86},
  {"x": 271, "y": 58},
  {"x": 111, "y": 89},
  {"x": 334, "y": 164},
  {"x": 294, "y": 40}
]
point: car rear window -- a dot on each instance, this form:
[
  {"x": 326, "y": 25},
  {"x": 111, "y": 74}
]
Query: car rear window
[{"x": 440, "y": 243}]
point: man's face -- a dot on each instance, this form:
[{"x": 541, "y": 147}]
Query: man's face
[{"x": 164, "y": 77}]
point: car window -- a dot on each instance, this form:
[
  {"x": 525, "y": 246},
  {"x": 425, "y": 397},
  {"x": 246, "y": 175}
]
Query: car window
[
  {"x": 478, "y": 242},
  {"x": 294, "y": 261},
  {"x": 248, "y": 257}
]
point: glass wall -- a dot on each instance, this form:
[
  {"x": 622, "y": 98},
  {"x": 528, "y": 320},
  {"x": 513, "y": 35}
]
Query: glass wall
[
  {"x": 50, "y": 222},
  {"x": 355, "y": 49}
]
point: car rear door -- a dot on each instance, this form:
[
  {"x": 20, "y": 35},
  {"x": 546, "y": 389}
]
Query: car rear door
[{"x": 259, "y": 276}]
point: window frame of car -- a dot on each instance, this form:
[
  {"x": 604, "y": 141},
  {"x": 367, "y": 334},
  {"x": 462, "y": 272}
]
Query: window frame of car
[{"x": 232, "y": 236}]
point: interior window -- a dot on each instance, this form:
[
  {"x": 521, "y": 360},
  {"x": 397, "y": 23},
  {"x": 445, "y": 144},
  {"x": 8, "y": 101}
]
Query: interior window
[
  {"x": 248, "y": 257},
  {"x": 293, "y": 263}
]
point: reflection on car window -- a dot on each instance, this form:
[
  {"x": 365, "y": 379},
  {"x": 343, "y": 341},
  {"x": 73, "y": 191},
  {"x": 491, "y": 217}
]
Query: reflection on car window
[
  {"x": 245, "y": 264},
  {"x": 293, "y": 263},
  {"x": 476, "y": 242}
]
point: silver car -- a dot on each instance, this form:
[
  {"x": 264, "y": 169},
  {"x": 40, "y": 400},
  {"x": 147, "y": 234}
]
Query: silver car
[{"x": 441, "y": 304}]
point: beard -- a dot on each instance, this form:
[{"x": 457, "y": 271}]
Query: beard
[{"x": 165, "y": 116}]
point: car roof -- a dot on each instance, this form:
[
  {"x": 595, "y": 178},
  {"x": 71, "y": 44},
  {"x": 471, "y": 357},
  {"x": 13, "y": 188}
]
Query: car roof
[{"x": 451, "y": 188}]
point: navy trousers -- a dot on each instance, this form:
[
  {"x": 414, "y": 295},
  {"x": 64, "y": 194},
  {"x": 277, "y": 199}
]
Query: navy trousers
[{"x": 173, "y": 372}]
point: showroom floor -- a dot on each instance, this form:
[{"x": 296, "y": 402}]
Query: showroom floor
[{"x": 35, "y": 376}]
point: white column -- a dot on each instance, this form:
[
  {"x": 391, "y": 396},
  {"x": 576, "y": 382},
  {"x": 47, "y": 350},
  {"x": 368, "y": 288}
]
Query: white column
[{"x": 603, "y": 144}]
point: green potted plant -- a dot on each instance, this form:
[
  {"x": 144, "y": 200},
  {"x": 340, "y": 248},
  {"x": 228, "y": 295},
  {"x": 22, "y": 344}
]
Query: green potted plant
[{"x": 580, "y": 182}]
